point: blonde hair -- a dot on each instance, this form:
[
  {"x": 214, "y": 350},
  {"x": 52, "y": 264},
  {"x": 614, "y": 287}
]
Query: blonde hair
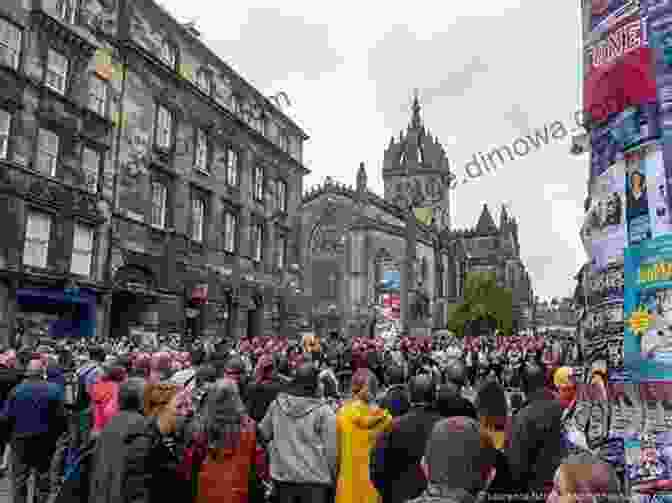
[{"x": 157, "y": 396}]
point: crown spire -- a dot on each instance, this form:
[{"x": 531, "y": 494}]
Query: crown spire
[{"x": 416, "y": 121}]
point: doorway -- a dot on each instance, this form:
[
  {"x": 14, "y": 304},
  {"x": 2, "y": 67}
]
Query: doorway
[{"x": 255, "y": 318}]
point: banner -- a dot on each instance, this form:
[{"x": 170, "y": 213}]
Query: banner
[
  {"x": 605, "y": 285},
  {"x": 603, "y": 231},
  {"x": 648, "y": 309}
]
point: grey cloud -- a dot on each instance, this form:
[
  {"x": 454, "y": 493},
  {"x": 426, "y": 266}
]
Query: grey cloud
[
  {"x": 272, "y": 45},
  {"x": 458, "y": 82}
]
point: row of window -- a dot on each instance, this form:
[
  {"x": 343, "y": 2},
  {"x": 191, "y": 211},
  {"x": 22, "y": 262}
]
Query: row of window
[
  {"x": 48, "y": 151},
  {"x": 36, "y": 244},
  {"x": 199, "y": 220}
]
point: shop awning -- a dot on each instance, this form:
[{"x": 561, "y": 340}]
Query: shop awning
[
  {"x": 84, "y": 323},
  {"x": 53, "y": 296}
]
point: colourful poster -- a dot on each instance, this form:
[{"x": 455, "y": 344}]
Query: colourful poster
[
  {"x": 603, "y": 231},
  {"x": 648, "y": 309},
  {"x": 647, "y": 203}
]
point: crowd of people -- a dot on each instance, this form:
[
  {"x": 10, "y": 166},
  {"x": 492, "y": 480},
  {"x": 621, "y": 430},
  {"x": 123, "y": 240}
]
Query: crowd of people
[{"x": 264, "y": 420}]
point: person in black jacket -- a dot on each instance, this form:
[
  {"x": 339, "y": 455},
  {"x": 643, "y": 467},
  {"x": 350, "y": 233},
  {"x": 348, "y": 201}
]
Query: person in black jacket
[
  {"x": 265, "y": 389},
  {"x": 535, "y": 447},
  {"x": 395, "y": 469}
]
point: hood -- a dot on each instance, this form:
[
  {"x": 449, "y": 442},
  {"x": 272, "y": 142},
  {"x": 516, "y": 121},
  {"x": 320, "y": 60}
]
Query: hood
[
  {"x": 103, "y": 391},
  {"x": 365, "y": 416},
  {"x": 298, "y": 406}
]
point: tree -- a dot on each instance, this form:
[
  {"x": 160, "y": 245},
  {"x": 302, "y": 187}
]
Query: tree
[{"x": 484, "y": 304}]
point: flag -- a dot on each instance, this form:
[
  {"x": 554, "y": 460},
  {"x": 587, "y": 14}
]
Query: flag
[{"x": 424, "y": 215}]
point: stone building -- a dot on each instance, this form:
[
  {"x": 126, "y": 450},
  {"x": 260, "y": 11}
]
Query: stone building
[
  {"x": 350, "y": 237},
  {"x": 147, "y": 185}
]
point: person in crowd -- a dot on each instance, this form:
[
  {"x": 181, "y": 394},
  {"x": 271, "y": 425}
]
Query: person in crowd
[
  {"x": 565, "y": 386},
  {"x": 395, "y": 397},
  {"x": 584, "y": 478},
  {"x": 301, "y": 431},
  {"x": 494, "y": 420},
  {"x": 459, "y": 462},
  {"x": 359, "y": 422},
  {"x": 265, "y": 388},
  {"x": 89, "y": 373},
  {"x": 226, "y": 460},
  {"x": 35, "y": 414},
  {"x": 105, "y": 397},
  {"x": 535, "y": 448},
  {"x": 395, "y": 469},
  {"x": 492, "y": 410},
  {"x": 151, "y": 473},
  {"x": 10, "y": 377},
  {"x": 108, "y": 463},
  {"x": 235, "y": 369},
  {"x": 449, "y": 403}
]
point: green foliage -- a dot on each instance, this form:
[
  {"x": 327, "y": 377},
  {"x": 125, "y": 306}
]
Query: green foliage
[{"x": 484, "y": 301}]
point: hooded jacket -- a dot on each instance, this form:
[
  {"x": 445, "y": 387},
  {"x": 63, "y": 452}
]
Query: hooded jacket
[
  {"x": 358, "y": 427},
  {"x": 302, "y": 435}
]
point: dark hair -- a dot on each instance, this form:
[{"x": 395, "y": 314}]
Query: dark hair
[
  {"x": 533, "y": 378},
  {"x": 394, "y": 374},
  {"x": 224, "y": 415},
  {"x": 197, "y": 356},
  {"x": 329, "y": 386},
  {"x": 422, "y": 389},
  {"x": 451, "y": 404},
  {"x": 516, "y": 401},
  {"x": 97, "y": 354},
  {"x": 491, "y": 404},
  {"x": 131, "y": 394}
]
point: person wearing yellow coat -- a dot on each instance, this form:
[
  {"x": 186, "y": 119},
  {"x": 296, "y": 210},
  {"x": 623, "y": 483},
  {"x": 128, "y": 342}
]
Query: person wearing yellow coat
[{"x": 358, "y": 424}]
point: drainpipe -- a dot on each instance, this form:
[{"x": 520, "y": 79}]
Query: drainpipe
[{"x": 115, "y": 185}]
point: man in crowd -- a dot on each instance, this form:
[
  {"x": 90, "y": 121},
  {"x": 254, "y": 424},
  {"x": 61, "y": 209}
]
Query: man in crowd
[{"x": 35, "y": 415}]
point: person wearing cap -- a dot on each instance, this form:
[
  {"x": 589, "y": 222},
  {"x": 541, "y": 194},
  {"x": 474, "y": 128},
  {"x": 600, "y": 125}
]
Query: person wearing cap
[
  {"x": 563, "y": 380},
  {"x": 459, "y": 462},
  {"x": 301, "y": 431},
  {"x": 35, "y": 412}
]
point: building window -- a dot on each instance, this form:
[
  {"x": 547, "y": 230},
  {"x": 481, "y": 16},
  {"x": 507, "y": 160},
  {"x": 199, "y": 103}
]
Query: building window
[
  {"x": 258, "y": 186},
  {"x": 232, "y": 167},
  {"x": 331, "y": 286},
  {"x": 281, "y": 195},
  {"x": 82, "y": 250},
  {"x": 284, "y": 141},
  {"x": 230, "y": 232},
  {"x": 164, "y": 127},
  {"x": 36, "y": 246},
  {"x": 47, "y": 152},
  {"x": 204, "y": 82},
  {"x": 91, "y": 168},
  {"x": 57, "y": 71},
  {"x": 5, "y": 128},
  {"x": 98, "y": 95},
  {"x": 201, "y": 151},
  {"x": 282, "y": 252},
  {"x": 10, "y": 44},
  {"x": 168, "y": 54},
  {"x": 67, "y": 11},
  {"x": 197, "y": 219},
  {"x": 159, "y": 204},
  {"x": 257, "y": 242}
]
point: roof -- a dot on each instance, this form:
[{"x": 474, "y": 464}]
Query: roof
[{"x": 486, "y": 225}]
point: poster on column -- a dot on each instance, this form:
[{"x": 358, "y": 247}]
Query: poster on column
[
  {"x": 647, "y": 206},
  {"x": 605, "y": 285},
  {"x": 601, "y": 13},
  {"x": 648, "y": 309},
  {"x": 603, "y": 232},
  {"x": 604, "y": 330}
]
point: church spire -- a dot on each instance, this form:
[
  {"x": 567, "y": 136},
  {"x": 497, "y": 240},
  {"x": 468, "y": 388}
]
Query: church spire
[{"x": 416, "y": 121}]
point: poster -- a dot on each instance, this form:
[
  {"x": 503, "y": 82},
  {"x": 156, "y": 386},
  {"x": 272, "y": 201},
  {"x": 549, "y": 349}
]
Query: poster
[
  {"x": 604, "y": 330},
  {"x": 647, "y": 203},
  {"x": 648, "y": 309},
  {"x": 603, "y": 231},
  {"x": 605, "y": 285},
  {"x": 602, "y": 13}
]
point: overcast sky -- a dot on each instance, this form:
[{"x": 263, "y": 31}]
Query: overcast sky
[{"x": 487, "y": 73}]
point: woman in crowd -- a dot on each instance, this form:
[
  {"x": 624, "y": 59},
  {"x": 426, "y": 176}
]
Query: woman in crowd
[
  {"x": 151, "y": 474},
  {"x": 226, "y": 465},
  {"x": 358, "y": 424}
]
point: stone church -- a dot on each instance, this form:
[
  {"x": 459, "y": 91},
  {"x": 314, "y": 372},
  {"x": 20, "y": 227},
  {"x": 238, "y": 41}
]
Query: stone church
[{"x": 351, "y": 236}]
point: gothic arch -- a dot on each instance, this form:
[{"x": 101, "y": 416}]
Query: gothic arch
[{"x": 326, "y": 238}]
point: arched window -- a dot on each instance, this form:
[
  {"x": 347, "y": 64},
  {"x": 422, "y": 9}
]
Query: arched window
[{"x": 331, "y": 286}]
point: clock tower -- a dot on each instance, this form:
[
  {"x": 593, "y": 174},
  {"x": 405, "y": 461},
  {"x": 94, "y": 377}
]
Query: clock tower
[{"x": 416, "y": 168}]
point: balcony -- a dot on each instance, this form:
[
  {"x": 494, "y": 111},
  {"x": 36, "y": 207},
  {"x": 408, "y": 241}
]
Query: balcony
[{"x": 48, "y": 192}]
